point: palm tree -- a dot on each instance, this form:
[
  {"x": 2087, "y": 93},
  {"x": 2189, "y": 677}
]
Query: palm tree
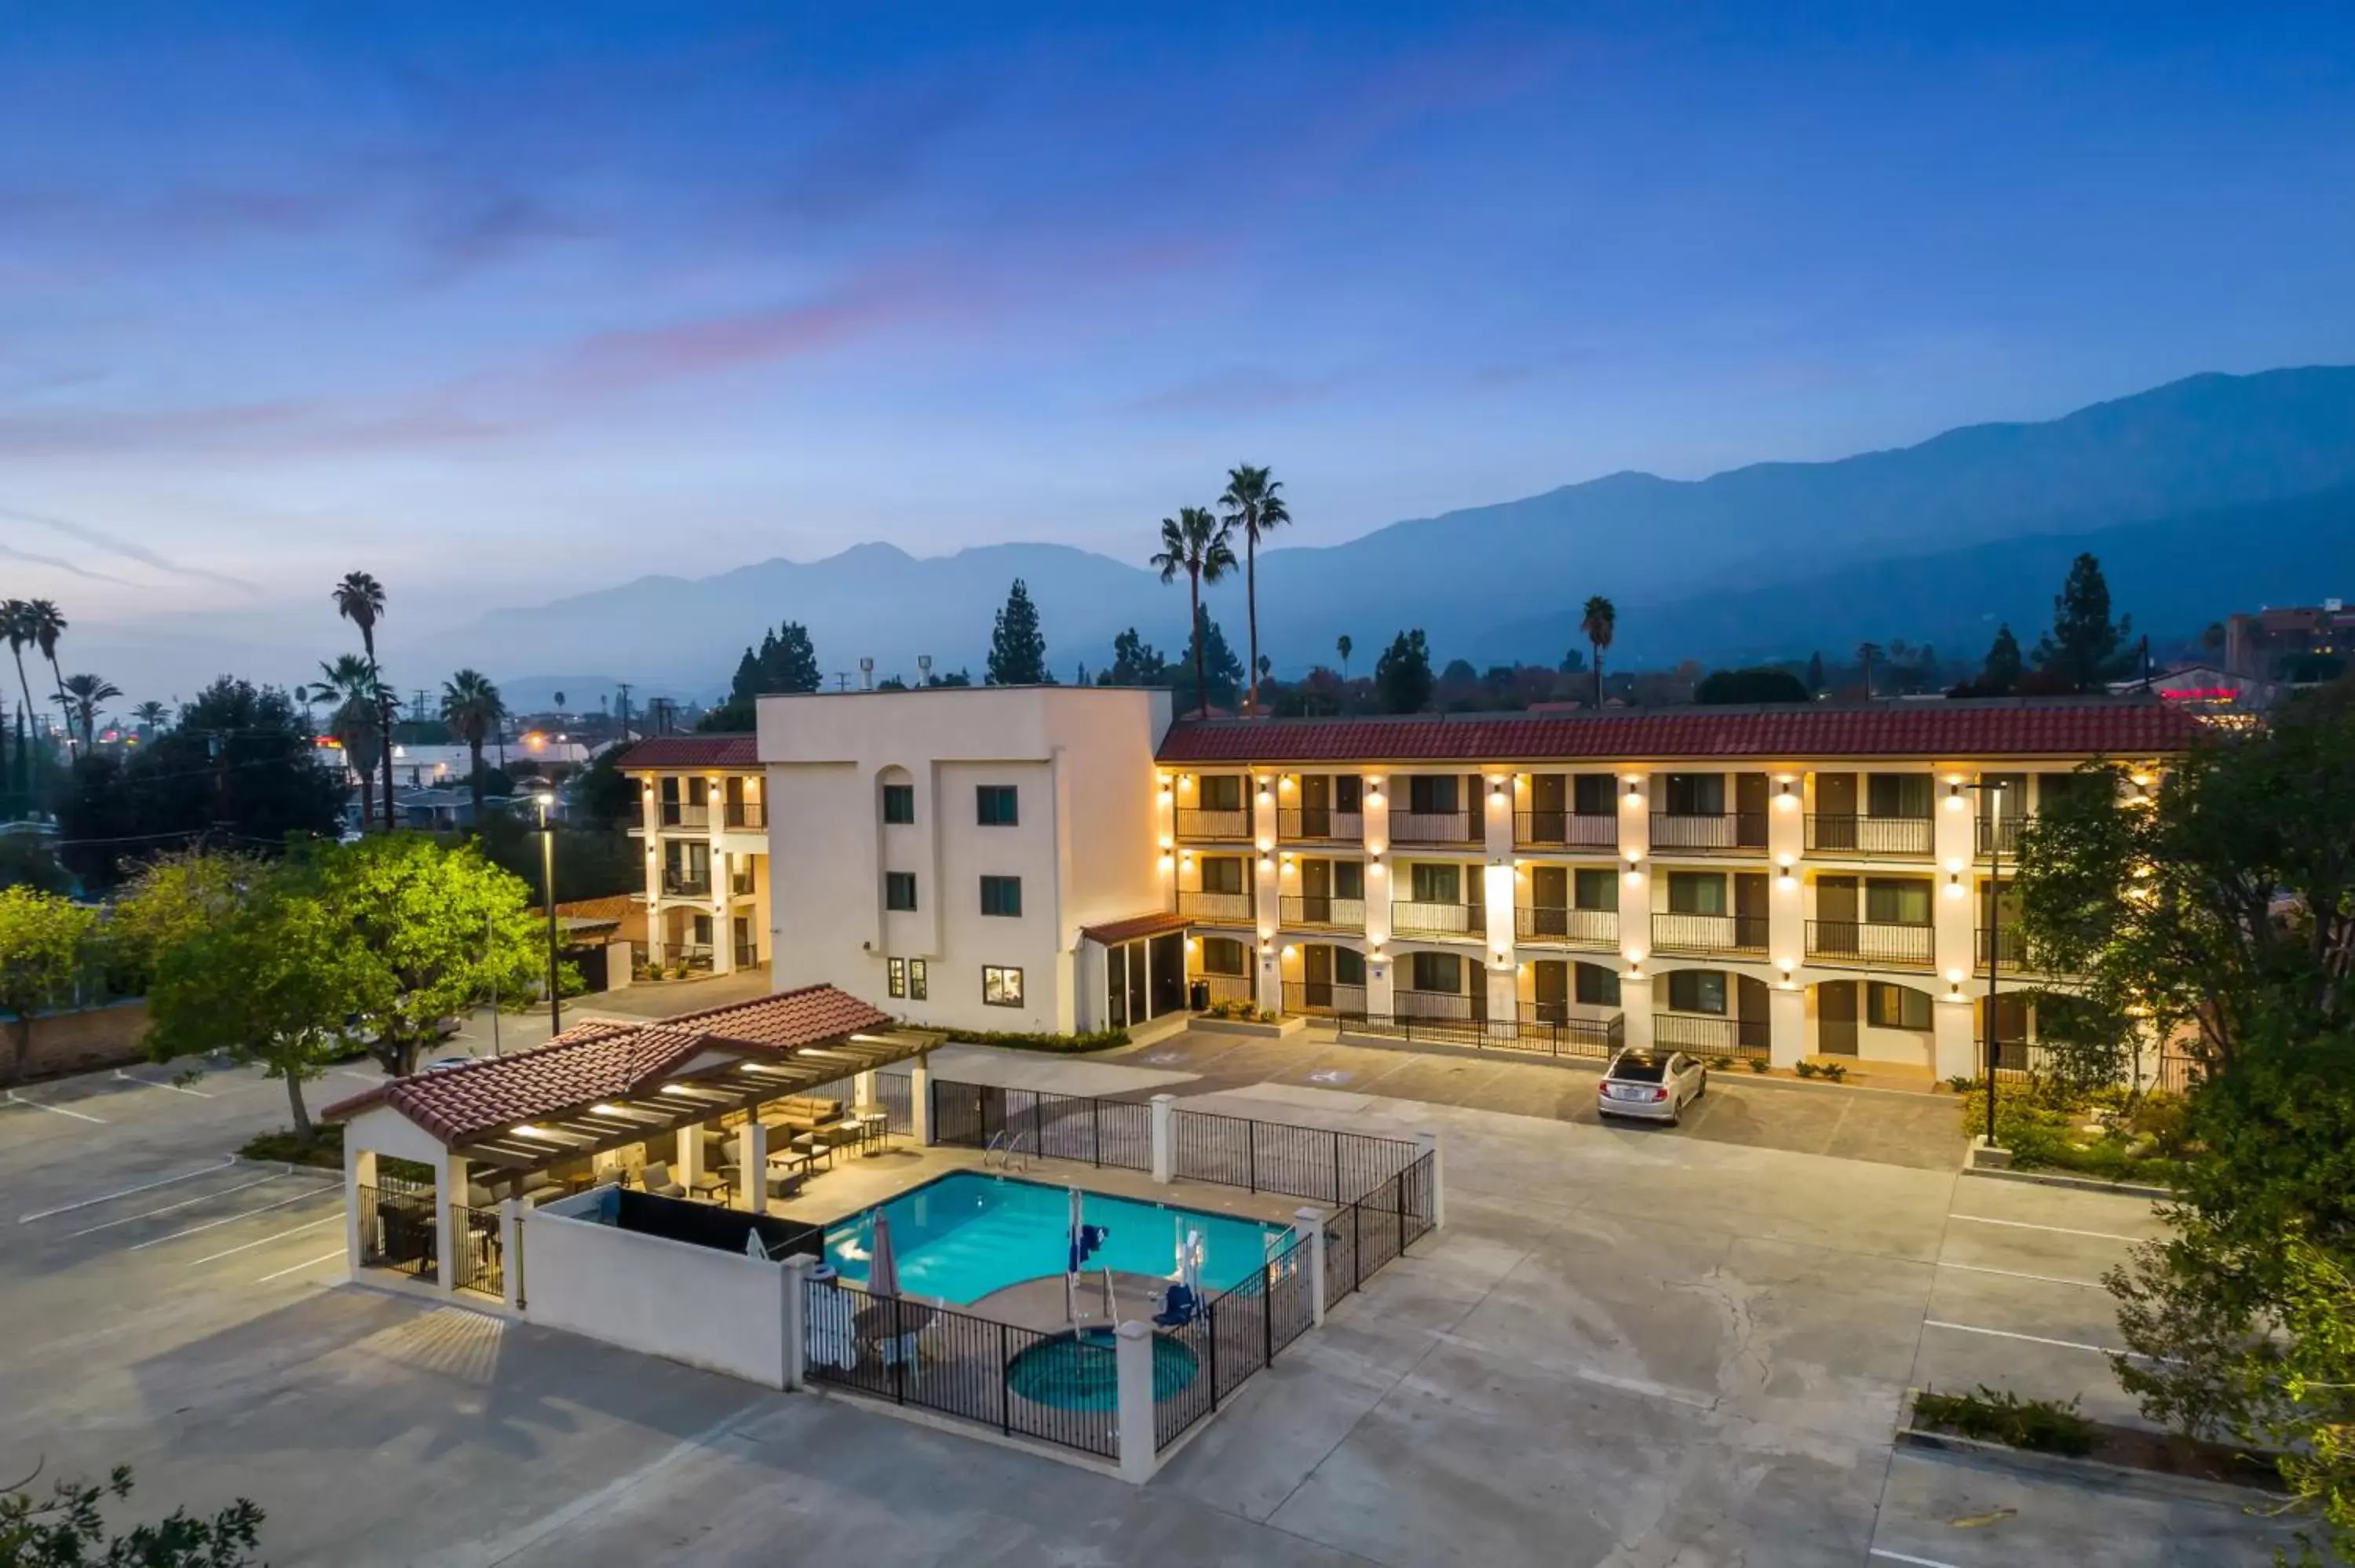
[
  {"x": 1342, "y": 645},
  {"x": 80, "y": 696},
  {"x": 473, "y": 706},
  {"x": 1866, "y": 652},
  {"x": 356, "y": 712},
  {"x": 1253, "y": 505},
  {"x": 151, "y": 715},
  {"x": 1195, "y": 541},
  {"x": 16, "y": 625},
  {"x": 360, "y": 598},
  {"x": 44, "y": 624},
  {"x": 1600, "y": 620}
]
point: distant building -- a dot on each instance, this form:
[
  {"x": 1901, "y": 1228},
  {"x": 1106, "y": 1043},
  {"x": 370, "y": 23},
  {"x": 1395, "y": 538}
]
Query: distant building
[{"x": 2292, "y": 645}]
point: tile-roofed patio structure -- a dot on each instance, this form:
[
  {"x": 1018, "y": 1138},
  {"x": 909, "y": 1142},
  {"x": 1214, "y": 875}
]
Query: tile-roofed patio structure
[{"x": 1976, "y": 729}]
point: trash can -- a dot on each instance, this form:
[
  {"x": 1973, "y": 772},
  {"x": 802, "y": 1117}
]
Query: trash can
[{"x": 1199, "y": 996}]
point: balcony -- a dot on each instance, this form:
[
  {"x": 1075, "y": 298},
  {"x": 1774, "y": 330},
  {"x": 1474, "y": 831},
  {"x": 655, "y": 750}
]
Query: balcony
[
  {"x": 1727, "y": 833},
  {"x": 1572, "y": 1033},
  {"x": 2002, "y": 836},
  {"x": 747, "y": 814},
  {"x": 1319, "y": 824},
  {"x": 1410, "y": 917},
  {"x": 1225, "y": 987},
  {"x": 1325, "y": 914},
  {"x": 1709, "y": 934},
  {"x": 676, "y": 815},
  {"x": 1565, "y": 830},
  {"x": 1869, "y": 837},
  {"x": 1323, "y": 999},
  {"x": 686, "y": 884},
  {"x": 1440, "y": 1006},
  {"x": 1195, "y": 822},
  {"x": 1707, "y": 1034},
  {"x": 1436, "y": 828},
  {"x": 1869, "y": 942},
  {"x": 2009, "y": 944},
  {"x": 1225, "y": 908},
  {"x": 1567, "y": 928}
]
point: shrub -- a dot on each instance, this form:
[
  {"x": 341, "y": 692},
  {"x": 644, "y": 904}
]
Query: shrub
[
  {"x": 2105, "y": 1132},
  {"x": 1758, "y": 1063},
  {"x": 1998, "y": 1415},
  {"x": 1835, "y": 1071},
  {"x": 1809, "y": 1069},
  {"x": 325, "y": 1148},
  {"x": 1062, "y": 1045}
]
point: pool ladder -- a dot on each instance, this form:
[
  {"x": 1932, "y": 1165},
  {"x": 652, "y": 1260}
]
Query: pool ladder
[{"x": 1005, "y": 1150}]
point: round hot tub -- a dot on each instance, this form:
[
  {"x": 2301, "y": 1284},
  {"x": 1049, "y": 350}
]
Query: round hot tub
[{"x": 1076, "y": 1371}]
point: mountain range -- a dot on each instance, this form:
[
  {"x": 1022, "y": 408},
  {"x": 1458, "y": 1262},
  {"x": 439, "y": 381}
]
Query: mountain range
[{"x": 2209, "y": 494}]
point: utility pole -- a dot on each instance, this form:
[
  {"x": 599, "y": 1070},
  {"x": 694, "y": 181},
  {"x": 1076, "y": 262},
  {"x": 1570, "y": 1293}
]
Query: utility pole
[{"x": 621, "y": 705}]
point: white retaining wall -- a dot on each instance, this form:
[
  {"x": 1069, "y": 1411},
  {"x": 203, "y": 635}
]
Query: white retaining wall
[{"x": 693, "y": 1304}]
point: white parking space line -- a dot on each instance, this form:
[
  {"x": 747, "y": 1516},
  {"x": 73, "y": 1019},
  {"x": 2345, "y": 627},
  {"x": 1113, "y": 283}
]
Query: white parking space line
[
  {"x": 232, "y": 1219},
  {"x": 298, "y": 1268},
  {"x": 2030, "y": 1339},
  {"x": 265, "y": 1240},
  {"x": 2017, "y": 1274},
  {"x": 2056, "y": 1230},
  {"x": 156, "y": 1084},
  {"x": 16, "y": 1099},
  {"x": 1883, "y": 1552},
  {"x": 227, "y": 1160},
  {"x": 174, "y": 1208}
]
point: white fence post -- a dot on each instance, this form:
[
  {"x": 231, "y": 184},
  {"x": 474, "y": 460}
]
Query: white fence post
[
  {"x": 511, "y": 1251},
  {"x": 798, "y": 1271},
  {"x": 1308, "y": 1224},
  {"x": 753, "y": 1161},
  {"x": 920, "y": 1101},
  {"x": 1162, "y": 1163},
  {"x": 1428, "y": 1141},
  {"x": 1132, "y": 1370}
]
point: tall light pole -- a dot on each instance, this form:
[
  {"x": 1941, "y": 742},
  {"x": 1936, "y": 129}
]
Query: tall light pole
[
  {"x": 1994, "y": 793},
  {"x": 545, "y": 801}
]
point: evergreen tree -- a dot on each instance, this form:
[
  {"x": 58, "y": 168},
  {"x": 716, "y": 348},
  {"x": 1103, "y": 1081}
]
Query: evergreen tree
[
  {"x": 787, "y": 661},
  {"x": 1402, "y": 674},
  {"x": 1134, "y": 663},
  {"x": 1999, "y": 674},
  {"x": 1814, "y": 673},
  {"x": 2082, "y": 648},
  {"x": 1017, "y": 649},
  {"x": 1223, "y": 670}
]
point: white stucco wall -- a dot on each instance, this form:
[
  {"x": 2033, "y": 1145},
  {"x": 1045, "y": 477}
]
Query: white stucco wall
[{"x": 693, "y": 1304}]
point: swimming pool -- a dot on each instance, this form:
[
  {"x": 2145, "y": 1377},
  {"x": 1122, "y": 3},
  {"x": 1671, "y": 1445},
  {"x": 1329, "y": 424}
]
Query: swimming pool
[{"x": 966, "y": 1235}]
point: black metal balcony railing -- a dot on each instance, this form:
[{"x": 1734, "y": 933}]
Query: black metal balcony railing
[
  {"x": 747, "y": 955},
  {"x": 2003, "y": 834},
  {"x": 1727, "y": 833},
  {"x": 678, "y": 815},
  {"x": 1566, "y": 829},
  {"x": 1708, "y": 1034},
  {"x": 1195, "y": 822},
  {"x": 1225, "y": 987},
  {"x": 747, "y": 814},
  {"x": 1869, "y": 942},
  {"x": 1319, "y": 824},
  {"x": 1412, "y": 917},
  {"x": 1867, "y": 836},
  {"x": 1453, "y": 1007},
  {"x": 1234, "y": 908},
  {"x": 1325, "y": 999},
  {"x": 1709, "y": 933},
  {"x": 1316, "y": 909},
  {"x": 1572, "y": 1034},
  {"x": 686, "y": 884},
  {"x": 2010, "y": 944},
  {"x": 1573, "y": 928},
  {"x": 1436, "y": 827}
]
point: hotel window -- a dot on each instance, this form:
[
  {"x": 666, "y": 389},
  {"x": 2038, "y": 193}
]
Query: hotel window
[
  {"x": 1440, "y": 972},
  {"x": 1435, "y": 883},
  {"x": 1593, "y": 794},
  {"x": 898, "y": 803},
  {"x": 895, "y": 973},
  {"x": 1896, "y": 1006},
  {"x": 1000, "y": 987},
  {"x": 900, "y": 890},
  {"x": 1432, "y": 795},
  {"x": 1897, "y": 794},
  {"x": 1224, "y": 955},
  {"x": 1696, "y": 893},
  {"x": 1223, "y": 873},
  {"x": 907, "y": 978},
  {"x": 1598, "y": 987},
  {"x": 918, "y": 991},
  {"x": 1695, "y": 795},
  {"x": 1697, "y": 990},
  {"x": 994, "y": 805},
  {"x": 1594, "y": 888},
  {"x": 1001, "y": 896},
  {"x": 1349, "y": 792},
  {"x": 1895, "y": 901}
]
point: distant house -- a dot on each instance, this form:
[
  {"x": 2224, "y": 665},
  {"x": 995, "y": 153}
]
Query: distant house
[{"x": 443, "y": 809}]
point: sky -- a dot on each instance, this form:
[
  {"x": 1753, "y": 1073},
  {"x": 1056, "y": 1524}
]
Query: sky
[{"x": 500, "y": 302}]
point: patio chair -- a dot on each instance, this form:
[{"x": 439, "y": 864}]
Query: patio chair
[
  {"x": 656, "y": 1180},
  {"x": 1177, "y": 1309}
]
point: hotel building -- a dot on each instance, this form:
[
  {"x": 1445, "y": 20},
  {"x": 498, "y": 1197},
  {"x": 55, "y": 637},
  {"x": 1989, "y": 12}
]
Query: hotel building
[{"x": 703, "y": 819}]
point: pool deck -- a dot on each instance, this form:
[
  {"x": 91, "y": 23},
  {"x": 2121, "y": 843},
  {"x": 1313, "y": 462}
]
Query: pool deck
[{"x": 1040, "y": 1304}]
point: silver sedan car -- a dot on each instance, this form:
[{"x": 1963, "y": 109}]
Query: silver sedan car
[{"x": 1655, "y": 1085}]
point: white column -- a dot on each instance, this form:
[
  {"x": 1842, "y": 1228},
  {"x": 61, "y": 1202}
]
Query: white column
[
  {"x": 1956, "y": 1035},
  {"x": 920, "y": 1100},
  {"x": 1133, "y": 1374},
  {"x": 1428, "y": 1141},
  {"x": 1308, "y": 1224},
  {"x": 450, "y": 1192},
  {"x": 1787, "y": 1036},
  {"x": 1635, "y": 1008},
  {"x": 511, "y": 1251},
  {"x": 1375, "y": 804},
  {"x": 1786, "y": 847},
  {"x": 1638, "y": 880},
  {"x": 360, "y": 1171},
  {"x": 862, "y": 1088},
  {"x": 723, "y": 926},
  {"x": 798, "y": 1271},
  {"x": 650, "y": 804},
  {"x": 1162, "y": 1105},
  {"x": 690, "y": 1156},
  {"x": 752, "y": 1158}
]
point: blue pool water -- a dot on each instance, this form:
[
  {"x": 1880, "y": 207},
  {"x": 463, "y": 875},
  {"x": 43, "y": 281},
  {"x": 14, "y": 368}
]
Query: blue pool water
[{"x": 966, "y": 1235}]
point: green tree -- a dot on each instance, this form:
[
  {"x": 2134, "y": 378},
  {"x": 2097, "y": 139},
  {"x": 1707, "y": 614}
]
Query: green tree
[
  {"x": 786, "y": 662},
  {"x": 1134, "y": 663},
  {"x": 44, "y": 624},
  {"x": 356, "y": 700},
  {"x": 18, "y": 623},
  {"x": 1252, "y": 503},
  {"x": 1195, "y": 541},
  {"x": 2082, "y": 648},
  {"x": 1402, "y": 674},
  {"x": 1017, "y": 649},
  {"x": 605, "y": 795},
  {"x": 1221, "y": 664},
  {"x": 1758, "y": 685},
  {"x": 360, "y": 598},
  {"x": 1344, "y": 647},
  {"x": 1999, "y": 672},
  {"x": 441, "y": 928},
  {"x": 169, "y": 901},
  {"x": 275, "y": 983},
  {"x": 1814, "y": 675},
  {"x": 67, "y": 1530},
  {"x": 41, "y": 947},
  {"x": 1866, "y": 655},
  {"x": 471, "y": 706},
  {"x": 1599, "y": 622}
]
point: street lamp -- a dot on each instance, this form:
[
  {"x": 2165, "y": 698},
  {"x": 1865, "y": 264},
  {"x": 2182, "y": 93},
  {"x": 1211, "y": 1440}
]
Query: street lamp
[
  {"x": 1993, "y": 791},
  {"x": 545, "y": 801}
]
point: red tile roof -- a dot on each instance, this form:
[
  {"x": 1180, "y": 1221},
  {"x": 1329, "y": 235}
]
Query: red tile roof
[
  {"x": 690, "y": 751},
  {"x": 602, "y": 1060},
  {"x": 1135, "y": 925},
  {"x": 1957, "y": 729}
]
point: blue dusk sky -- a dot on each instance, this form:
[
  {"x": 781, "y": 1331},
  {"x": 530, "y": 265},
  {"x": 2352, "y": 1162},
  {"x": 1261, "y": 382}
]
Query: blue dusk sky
[{"x": 503, "y": 301}]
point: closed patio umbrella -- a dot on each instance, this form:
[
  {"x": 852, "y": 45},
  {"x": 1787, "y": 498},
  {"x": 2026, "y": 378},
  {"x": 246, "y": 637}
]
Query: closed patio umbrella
[
  {"x": 894, "y": 1322},
  {"x": 882, "y": 1267}
]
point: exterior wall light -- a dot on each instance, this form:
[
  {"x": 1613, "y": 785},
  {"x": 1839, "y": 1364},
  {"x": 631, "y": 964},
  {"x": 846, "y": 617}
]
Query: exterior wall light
[
  {"x": 1954, "y": 884},
  {"x": 1265, "y": 845},
  {"x": 1167, "y": 863},
  {"x": 1786, "y": 800},
  {"x": 1954, "y": 794},
  {"x": 1284, "y": 781},
  {"x": 1267, "y": 862},
  {"x": 1191, "y": 944},
  {"x": 1165, "y": 794},
  {"x": 1290, "y": 952}
]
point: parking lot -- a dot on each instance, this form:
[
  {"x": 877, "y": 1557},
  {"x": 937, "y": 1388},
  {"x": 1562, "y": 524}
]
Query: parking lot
[{"x": 1629, "y": 1346}]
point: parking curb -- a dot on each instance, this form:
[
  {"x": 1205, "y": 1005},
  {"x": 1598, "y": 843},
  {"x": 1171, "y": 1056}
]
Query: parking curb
[
  {"x": 2096, "y": 1471},
  {"x": 2080, "y": 1183}
]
